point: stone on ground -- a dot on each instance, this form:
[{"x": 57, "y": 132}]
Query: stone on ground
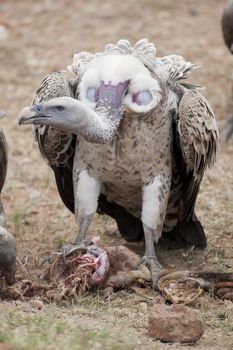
[{"x": 175, "y": 323}]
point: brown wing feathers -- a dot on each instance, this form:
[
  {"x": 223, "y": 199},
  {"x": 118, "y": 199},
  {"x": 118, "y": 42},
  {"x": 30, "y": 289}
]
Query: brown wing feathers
[
  {"x": 198, "y": 138},
  {"x": 3, "y": 159}
]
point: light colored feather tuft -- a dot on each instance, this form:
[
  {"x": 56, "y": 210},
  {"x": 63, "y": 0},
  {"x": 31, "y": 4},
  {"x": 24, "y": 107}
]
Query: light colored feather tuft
[
  {"x": 80, "y": 60},
  {"x": 143, "y": 50},
  {"x": 177, "y": 67}
]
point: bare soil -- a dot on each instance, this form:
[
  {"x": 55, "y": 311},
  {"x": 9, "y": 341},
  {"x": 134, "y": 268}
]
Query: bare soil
[{"x": 42, "y": 37}]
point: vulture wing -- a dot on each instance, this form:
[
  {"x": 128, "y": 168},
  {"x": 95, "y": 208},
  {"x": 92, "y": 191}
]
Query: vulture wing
[
  {"x": 197, "y": 141},
  {"x": 3, "y": 159},
  {"x": 227, "y": 25},
  {"x": 227, "y": 30},
  {"x": 3, "y": 171},
  {"x": 57, "y": 147}
]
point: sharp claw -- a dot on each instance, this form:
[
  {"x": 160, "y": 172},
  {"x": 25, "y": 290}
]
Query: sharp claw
[
  {"x": 49, "y": 259},
  {"x": 142, "y": 261},
  {"x": 71, "y": 248},
  {"x": 155, "y": 268},
  {"x": 65, "y": 251},
  {"x": 153, "y": 264}
]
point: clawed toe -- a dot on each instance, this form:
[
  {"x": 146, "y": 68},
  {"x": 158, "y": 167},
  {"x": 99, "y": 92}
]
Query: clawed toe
[
  {"x": 77, "y": 248},
  {"x": 154, "y": 266},
  {"x": 142, "y": 261}
]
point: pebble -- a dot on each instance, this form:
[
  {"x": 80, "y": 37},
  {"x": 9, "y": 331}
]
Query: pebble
[
  {"x": 175, "y": 323},
  {"x": 4, "y": 33},
  {"x": 36, "y": 304}
]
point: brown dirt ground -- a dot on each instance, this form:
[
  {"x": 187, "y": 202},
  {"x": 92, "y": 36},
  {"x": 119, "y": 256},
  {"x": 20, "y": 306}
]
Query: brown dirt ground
[{"x": 43, "y": 35}]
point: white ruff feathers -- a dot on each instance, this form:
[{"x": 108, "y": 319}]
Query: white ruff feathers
[{"x": 116, "y": 68}]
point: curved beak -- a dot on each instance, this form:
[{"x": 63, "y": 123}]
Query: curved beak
[
  {"x": 31, "y": 114},
  {"x": 25, "y": 116}
]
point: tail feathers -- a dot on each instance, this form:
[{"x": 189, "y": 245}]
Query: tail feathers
[
  {"x": 188, "y": 233},
  {"x": 129, "y": 226},
  {"x": 63, "y": 176}
]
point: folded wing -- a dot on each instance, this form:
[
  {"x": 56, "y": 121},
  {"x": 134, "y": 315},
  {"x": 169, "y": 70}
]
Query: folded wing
[
  {"x": 197, "y": 139},
  {"x": 56, "y": 146}
]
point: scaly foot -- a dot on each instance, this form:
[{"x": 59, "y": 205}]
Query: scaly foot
[
  {"x": 76, "y": 247},
  {"x": 154, "y": 266}
]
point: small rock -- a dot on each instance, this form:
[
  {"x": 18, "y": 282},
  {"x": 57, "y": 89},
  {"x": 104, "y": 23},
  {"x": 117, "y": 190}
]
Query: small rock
[
  {"x": 4, "y": 33},
  {"x": 2, "y": 114},
  {"x": 175, "y": 323},
  {"x": 34, "y": 194},
  {"x": 36, "y": 304},
  {"x": 143, "y": 306},
  {"x": 194, "y": 12},
  {"x": 5, "y": 346}
]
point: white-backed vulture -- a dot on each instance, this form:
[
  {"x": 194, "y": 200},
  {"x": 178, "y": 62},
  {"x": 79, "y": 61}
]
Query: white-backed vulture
[
  {"x": 127, "y": 138},
  {"x": 227, "y": 30},
  {"x": 7, "y": 241}
]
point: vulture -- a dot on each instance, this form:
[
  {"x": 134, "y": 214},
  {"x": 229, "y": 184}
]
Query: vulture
[
  {"x": 7, "y": 241},
  {"x": 227, "y": 30},
  {"x": 126, "y": 137}
]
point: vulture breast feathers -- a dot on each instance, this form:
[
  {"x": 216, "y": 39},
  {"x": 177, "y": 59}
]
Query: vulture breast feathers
[{"x": 193, "y": 139}]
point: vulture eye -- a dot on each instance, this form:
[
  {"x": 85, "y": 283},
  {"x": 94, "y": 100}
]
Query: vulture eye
[
  {"x": 60, "y": 108},
  {"x": 92, "y": 94},
  {"x": 142, "y": 98}
]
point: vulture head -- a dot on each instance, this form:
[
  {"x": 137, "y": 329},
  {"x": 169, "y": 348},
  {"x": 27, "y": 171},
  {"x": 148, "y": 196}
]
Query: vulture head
[
  {"x": 108, "y": 85},
  {"x": 227, "y": 25}
]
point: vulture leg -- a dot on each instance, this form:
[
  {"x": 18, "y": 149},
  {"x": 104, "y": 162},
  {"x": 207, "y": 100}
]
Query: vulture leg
[
  {"x": 155, "y": 197},
  {"x": 83, "y": 223},
  {"x": 150, "y": 259},
  {"x": 86, "y": 194}
]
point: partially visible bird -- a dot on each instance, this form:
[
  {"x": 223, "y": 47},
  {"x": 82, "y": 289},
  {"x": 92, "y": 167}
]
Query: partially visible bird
[
  {"x": 227, "y": 30},
  {"x": 7, "y": 255},
  {"x": 126, "y": 137},
  {"x": 227, "y": 25},
  {"x": 7, "y": 241}
]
